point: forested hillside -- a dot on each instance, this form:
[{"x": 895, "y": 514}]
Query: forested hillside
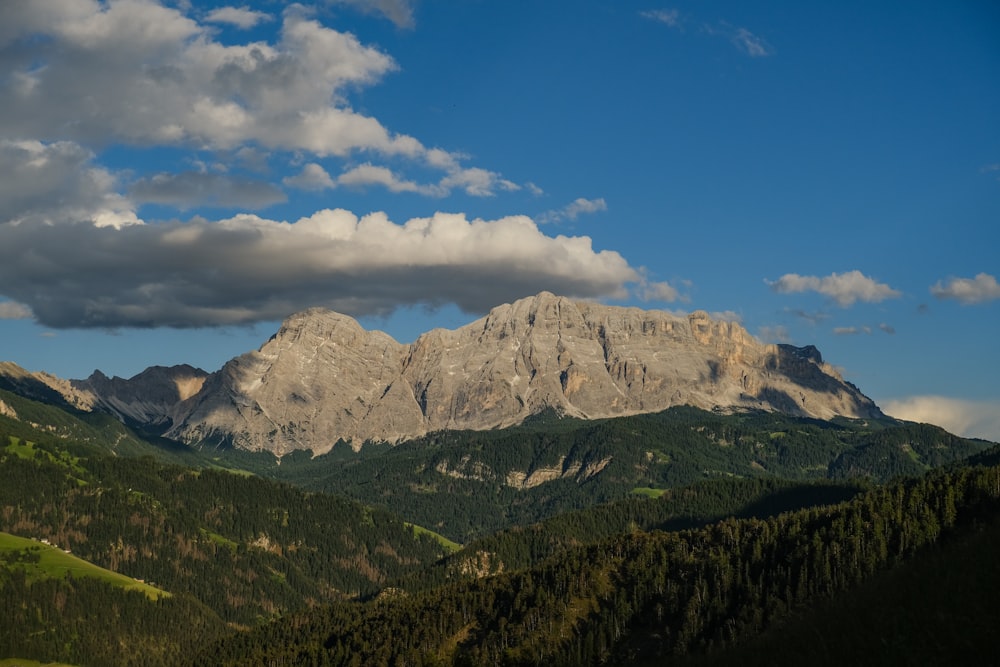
[
  {"x": 468, "y": 484},
  {"x": 248, "y": 548},
  {"x": 684, "y": 508},
  {"x": 644, "y": 596}
]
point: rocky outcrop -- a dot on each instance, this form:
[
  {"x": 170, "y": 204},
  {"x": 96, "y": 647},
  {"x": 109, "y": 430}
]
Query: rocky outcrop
[
  {"x": 323, "y": 379},
  {"x": 148, "y": 398}
]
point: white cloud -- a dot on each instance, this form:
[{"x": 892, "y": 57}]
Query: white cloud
[
  {"x": 851, "y": 331},
  {"x": 658, "y": 291},
  {"x": 189, "y": 189},
  {"x": 574, "y": 209},
  {"x": 980, "y": 289},
  {"x": 965, "y": 417},
  {"x": 670, "y": 17},
  {"x": 312, "y": 177},
  {"x": 580, "y": 205},
  {"x": 368, "y": 174},
  {"x": 182, "y": 87},
  {"x": 476, "y": 182},
  {"x": 844, "y": 288},
  {"x": 247, "y": 268},
  {"x": 241, "y": 17},
  {"x": 11, "y": 310}
]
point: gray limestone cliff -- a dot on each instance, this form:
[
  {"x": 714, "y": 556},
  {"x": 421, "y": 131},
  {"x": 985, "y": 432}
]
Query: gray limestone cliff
[{"x": 323, "y": 379}]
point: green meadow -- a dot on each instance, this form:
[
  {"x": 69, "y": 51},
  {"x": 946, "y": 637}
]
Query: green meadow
[{"x": 42, "y": 561}]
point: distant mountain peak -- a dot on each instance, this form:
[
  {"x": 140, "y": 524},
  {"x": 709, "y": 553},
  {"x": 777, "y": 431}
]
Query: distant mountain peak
[{"x": 322, "y": 378}]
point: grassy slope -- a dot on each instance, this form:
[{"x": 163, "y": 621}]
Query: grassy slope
[{"x": 52, "y": 562}]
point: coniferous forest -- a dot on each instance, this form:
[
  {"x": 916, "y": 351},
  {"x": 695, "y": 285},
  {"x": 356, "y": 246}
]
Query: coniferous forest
[{"x": 701, "y": 539}]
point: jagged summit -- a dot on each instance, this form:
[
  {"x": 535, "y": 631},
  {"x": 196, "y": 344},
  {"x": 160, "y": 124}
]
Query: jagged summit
[{"x": 322, "y": 378}]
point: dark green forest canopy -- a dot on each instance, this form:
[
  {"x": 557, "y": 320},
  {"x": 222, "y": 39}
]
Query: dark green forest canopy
[
  {"x": 645, "y": 596},
  {"x": 247, "y": 547},
  {"x": 578, "y": 569}
]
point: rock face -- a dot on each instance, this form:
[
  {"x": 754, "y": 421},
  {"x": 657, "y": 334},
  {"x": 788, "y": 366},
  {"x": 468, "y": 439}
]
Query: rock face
[
  {"x": 323, "y": 379},
  {"x": 147, "y": 398}
]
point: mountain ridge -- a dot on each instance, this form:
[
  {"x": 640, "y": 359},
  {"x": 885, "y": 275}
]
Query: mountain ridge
[{"x": 323, "y": 379}]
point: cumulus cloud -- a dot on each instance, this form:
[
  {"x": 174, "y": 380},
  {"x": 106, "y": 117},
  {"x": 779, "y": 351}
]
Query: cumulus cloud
[
  {"x": 47, "y": 183},
  {"x": 580, "y": 206},
  {"x": 247, "y": 268},
  {"x": 657, "y": 291},
  {"x": 184, "y": 88},
  {"x": 368, "y": 174},
  {"x": 241, "y": 17},
  {"x": 965, "y": 417},
  {"x": 312, "y": 177},
  {"x": 139, "y": 73},
  {"x": 980, "y": 289},
  {"x": 189, "y": 189},
  {"x": 844, "y": 288}
]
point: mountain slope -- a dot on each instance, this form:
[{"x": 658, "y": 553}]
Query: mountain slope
[{"x": 465, "y": 484}]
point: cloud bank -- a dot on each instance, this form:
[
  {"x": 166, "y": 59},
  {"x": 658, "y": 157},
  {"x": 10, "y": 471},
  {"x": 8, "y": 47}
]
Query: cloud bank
[
  {"x": 969, "y": 418},
  {"x": 142, "y": 74},
  {"x": 246, "y": 268}
]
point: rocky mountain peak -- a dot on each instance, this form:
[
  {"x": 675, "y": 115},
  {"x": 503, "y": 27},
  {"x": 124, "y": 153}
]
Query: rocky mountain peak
[{"x": 323, "y": 379}]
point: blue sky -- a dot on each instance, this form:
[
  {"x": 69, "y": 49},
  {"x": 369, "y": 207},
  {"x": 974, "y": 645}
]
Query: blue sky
[{"x": 177, "y": 177}]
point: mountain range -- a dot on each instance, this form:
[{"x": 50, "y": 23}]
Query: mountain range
[{"x": 323, "y": 379}]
